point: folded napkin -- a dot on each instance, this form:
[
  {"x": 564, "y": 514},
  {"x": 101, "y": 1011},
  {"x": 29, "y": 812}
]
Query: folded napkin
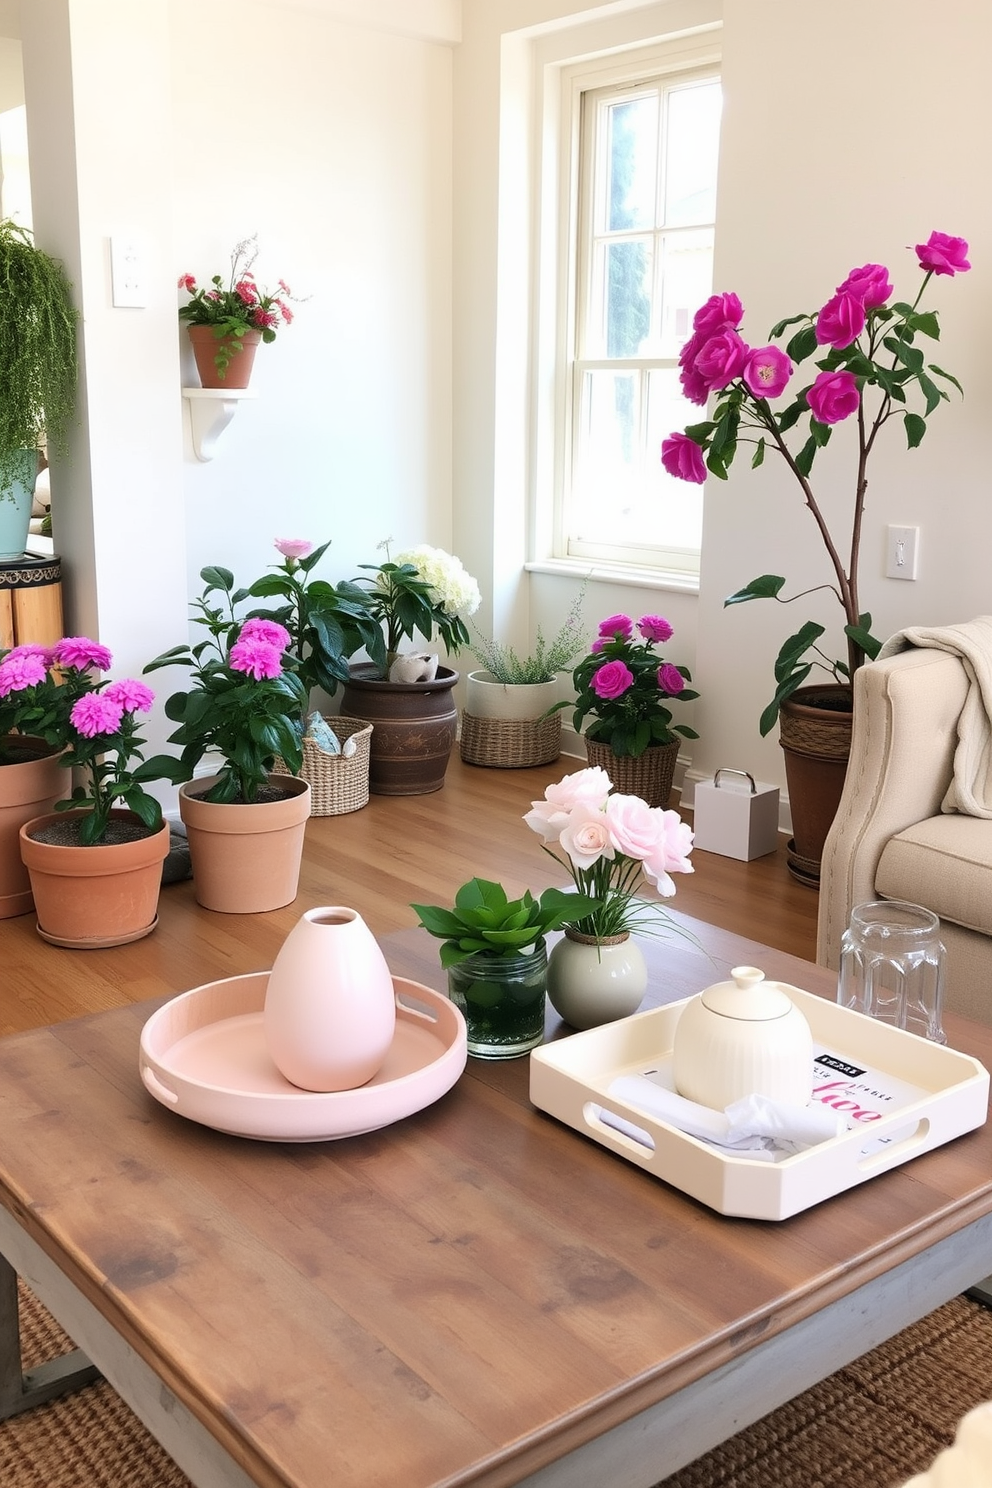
[{"x": 755, "y": 1127}]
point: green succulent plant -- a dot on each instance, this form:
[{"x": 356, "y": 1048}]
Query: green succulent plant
[{"x": 484, "y": 921}]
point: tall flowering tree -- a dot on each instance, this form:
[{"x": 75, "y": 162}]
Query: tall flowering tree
[{"x": 869, "y": 371}]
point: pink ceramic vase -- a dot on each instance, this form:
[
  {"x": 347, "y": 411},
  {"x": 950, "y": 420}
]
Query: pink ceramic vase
[{"x": 330, "y": 1011}]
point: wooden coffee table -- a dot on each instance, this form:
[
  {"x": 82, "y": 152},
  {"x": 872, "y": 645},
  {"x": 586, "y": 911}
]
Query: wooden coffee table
[{"x": 477, "y": 1295}]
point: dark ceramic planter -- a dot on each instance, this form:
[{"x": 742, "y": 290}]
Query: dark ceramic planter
[{"x": 413, "y": 729}]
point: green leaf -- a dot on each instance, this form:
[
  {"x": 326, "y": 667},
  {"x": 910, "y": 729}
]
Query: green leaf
[
  {"x": 215, "y": 577},
  {"x": 939, "y": 372},
  {"x": 767, "y": 721},
  {"x": 765, "y": 587},
  {"x": 926, "y": 321},
  {"x": 794, "y": 412},
  {"x": 806, "y": 456},
  {"x": 915, "y": 427},
  {"x": 796, "y": 647},
  {"x": 910, "y": 356},
  {"x": 861, "y": 636},
  {"x": 480, "y": 893},
  {"x": 759, "y": 454},
  {"x": 780, "y": 326},
  {"x": 802, "y": 345},
  {"x": 820, "y": 432}
]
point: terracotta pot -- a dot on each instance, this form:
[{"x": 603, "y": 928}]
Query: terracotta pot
[
  {"x": 205, "y": 346},
  {"x": 90, "y": 897},
  {"x": 246, "y": 858},
  {"x": 649, "y": 776},
  {"x": 413, "y": 729},
  {"x": 28, "y": 788},
  {"x": 815, "y": 733}
]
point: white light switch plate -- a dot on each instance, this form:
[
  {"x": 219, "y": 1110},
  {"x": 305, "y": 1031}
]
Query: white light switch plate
[
  {"x": 902, "y": 552},
  {"x": 129, "y": 272}
]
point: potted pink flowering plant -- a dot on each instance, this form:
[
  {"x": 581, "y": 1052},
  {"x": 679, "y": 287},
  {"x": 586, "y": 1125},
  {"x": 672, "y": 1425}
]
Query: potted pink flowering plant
[
  {"x": 244, "y": 707},
  {"x": 608, "y": 842},
  {"x": 227, "y": 321},
  {"x": 95, "y": 861},
  {"x": 870, "y": 370},
  {"x": 625, "y": 685}
]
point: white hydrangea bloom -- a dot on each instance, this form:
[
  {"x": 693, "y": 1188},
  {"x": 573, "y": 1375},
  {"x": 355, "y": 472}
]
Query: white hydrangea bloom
[{"x": 452, "y": 586}]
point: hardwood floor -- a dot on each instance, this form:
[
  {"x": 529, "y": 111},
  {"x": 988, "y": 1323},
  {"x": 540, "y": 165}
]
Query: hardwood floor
[{"x": 377, "y": 860}]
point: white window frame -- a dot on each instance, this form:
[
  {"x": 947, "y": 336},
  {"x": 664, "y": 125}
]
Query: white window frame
[{"x": 687, "y": 58}]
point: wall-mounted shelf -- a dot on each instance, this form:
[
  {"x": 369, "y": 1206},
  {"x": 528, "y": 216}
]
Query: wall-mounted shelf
[{"x": 210, "y": 412}]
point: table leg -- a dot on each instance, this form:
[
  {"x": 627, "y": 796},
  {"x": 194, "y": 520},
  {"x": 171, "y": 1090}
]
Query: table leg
[
  {"x": 21, "y": 1390},
  {"x": 981, "y": 1292}
]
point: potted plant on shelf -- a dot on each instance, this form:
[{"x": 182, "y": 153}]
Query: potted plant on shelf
[
  {"x": 245, "y": 824},
  {"x": 509, "y": 721},
  {"x": 495, "y": 954},
  {"x": 596, "y": 973},
  {"x": 869, "y": 367},
  {"x": 408, "y": 698},
  {"x": 37, "y": 373},
  {"x": 95, "y": 866},
  {"x": 625, "y": 685},
  {"x": 226, "y": 322}
]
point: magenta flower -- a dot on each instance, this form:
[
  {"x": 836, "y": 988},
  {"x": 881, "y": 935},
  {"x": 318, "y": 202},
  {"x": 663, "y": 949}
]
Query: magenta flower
[
  {"x": 79, "y": 653},
  {"x": 766, "y": 372},
  {"x": 721, "y": 359},
  {"x": 285, "y": 311},
  {"x": 246, "y": 291},
  {"x": 870, "y": 284},
  {"x": 722, "y": 312},
  {"x": 134, "y": 697},
  {"x": 293, "y": 547},
  {"x": 695, "y": 387},
  {"x": 655, "y": 628},
  {"x": 187, "y": 282},
  {"x": 597, "y": 645},
  {"x": 96, "y": 713},
  {"x": 682, "y": 457},
  {"x": 611, "y": 679},
  {"x": 670, "y": 679},
  {"x": 620, "y": 626},
  {"x": 841, "y": 321},
  {"x": 265, "y": 318},
  {"x": 942, "y": 254},
  {"x": 19, "y": 672},
  {"x": 269, "y": 631},
  {"x": 834, "y": 396},
  {"x": 256, "y": 657}
]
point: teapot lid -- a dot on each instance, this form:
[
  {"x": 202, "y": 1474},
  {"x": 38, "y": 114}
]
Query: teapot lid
[{"x": 747, "y": 997}]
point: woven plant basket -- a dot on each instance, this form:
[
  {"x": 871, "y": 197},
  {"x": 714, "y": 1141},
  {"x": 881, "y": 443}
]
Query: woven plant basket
[
  {"x": 649, "y": 776},
  {"x": 338, "y": 782},
  {"x": 510, "y": 744}
]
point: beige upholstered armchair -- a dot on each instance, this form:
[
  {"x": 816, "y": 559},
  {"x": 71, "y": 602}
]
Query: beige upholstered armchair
[{"x": 890, "y": 839}]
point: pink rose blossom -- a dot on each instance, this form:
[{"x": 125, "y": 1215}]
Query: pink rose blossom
[
  {"x": 19, "y": 672},
  {"x": 722, "y": 312},
  {"x": 721, "y": 359},
  {"x": 834, "y": 396},
  {"x": 133, "y": 696},
  {"x": 682, "y": 457},
  {"x": 96, "y": 713},
  {"x": 637, "y": 829},
  {"x": 694, "y": 386},
  {"x": 597, "y": 645},
  {"x": 293, "y": 547},
  {"x": 611, "y": 680},
  {"x": 583, "y": 787},
  {"x": 619, "y": 626},
  {"x": 671, "y": 854},
  {"x": 841, "y": 321},
  {"x": 655, "y": 628},
  {"x": 670, "y": 679},
  {"x": 256, "y": 657},
  {"x": 79, "y": 653},
  {"x": 585, "y": 837},
  {"x": 187, "y": 282},
  {"x": 942, "y": 254},
  {"x": 870, "y": 284},
  {"x": 269, "y": 631},
  {"x": 766, "y": 372}
]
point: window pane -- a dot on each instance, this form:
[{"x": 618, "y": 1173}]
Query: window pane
[
  {"x": 687, "y": 279},
  {"x": 673, "y": 508},
  {"x": 691, "y": 154},
  {"x": 628, "y": 322},
  {"x": 633, "y": 134}
]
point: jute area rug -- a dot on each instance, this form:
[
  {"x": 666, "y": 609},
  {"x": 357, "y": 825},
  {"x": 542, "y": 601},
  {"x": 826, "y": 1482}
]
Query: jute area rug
[{"x": 871, "y": 1425}]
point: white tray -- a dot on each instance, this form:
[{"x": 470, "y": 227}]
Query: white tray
[
  {"x": 570, "y": 1079},
  {"x": 204, "y": 1056}
]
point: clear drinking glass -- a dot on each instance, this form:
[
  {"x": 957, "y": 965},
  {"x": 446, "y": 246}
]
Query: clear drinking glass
[{"x": 892, "y": 966}]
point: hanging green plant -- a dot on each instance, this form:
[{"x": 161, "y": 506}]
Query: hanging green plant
[{"x": 37, "y": 349}]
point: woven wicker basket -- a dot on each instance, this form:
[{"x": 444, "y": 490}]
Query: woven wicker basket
[
  {"x": 338, "y": 782},
  {"x": 649, "y": 776},
  {"x": 510, "y": 744}
]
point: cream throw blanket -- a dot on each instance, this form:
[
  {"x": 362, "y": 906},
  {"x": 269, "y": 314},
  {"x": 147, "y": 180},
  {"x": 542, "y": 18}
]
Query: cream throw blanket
[{"x": 970, "y": 791}]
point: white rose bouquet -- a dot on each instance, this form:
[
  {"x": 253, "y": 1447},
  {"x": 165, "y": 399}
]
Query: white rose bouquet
[{"x": 609, "y": 841}]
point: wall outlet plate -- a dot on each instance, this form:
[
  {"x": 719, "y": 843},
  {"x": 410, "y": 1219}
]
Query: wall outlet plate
[{"x": 902, "y": 552}]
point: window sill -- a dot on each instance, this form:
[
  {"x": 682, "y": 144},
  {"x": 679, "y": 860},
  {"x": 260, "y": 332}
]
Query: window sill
[{"x": 617, "y": 573}]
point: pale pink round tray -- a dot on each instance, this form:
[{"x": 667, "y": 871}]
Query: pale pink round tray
[{"x": 204, "y": 1056}]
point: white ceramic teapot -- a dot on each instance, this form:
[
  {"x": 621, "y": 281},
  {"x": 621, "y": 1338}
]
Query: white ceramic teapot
[{"x": 743, "y": 1037}]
